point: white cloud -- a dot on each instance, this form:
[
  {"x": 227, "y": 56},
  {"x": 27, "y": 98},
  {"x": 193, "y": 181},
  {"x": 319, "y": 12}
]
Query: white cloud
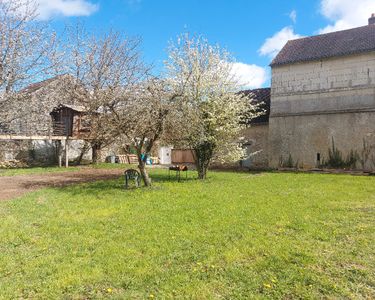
[
  {"x": 346, "y": 14},
  {"x": 274, "y": 44},
  {"x": 293, "y": 16},
  {"x": 250, "y": 76},
  {"x": 66, "y": 8}
]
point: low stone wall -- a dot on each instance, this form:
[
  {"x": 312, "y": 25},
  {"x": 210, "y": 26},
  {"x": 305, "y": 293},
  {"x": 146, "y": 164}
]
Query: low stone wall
[{"x": 39, "y": 152}]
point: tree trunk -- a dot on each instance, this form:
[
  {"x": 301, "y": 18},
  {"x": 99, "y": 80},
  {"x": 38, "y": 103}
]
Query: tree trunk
[
  {"x": 84, "y": 149},
  {"x": 202, "y": 172},
  {"x": 142, "y": 168},
  {"x": 96, "y": 153},
  {"x": 203, "y": 155}
]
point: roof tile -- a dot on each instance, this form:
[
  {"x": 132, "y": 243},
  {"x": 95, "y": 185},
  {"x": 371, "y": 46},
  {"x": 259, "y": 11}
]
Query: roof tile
[{"x": 340, "y": 43}]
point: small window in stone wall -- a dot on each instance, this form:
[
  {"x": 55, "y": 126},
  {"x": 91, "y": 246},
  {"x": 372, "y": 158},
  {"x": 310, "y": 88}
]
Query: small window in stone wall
[{"x": 318, "y": 160}]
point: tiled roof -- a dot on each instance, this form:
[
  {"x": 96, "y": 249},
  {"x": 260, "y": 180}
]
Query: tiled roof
[
  {"x": 263, "y": 98},
  {"x": 38, "y": 85},
  {"x": 334, "y": 44},
  {"x": 76, "y": 108}
]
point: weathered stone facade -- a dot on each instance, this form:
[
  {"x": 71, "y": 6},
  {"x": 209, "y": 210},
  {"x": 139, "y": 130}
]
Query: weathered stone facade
[
  {"x": 256, "y": 132},
  {"x": 317, "y": 101},
  {"x": 40, "y": 152},
  {"x": 256, "y": 145}
]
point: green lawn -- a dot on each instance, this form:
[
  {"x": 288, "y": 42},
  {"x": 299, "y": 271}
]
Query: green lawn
[{"x": 235, "y": 236}]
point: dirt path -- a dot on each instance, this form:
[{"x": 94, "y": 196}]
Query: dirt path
[{"x": 15, "y": 186}]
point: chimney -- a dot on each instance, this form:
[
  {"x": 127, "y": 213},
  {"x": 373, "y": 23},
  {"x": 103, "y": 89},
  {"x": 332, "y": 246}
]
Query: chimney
[{"x": 371, "y": 21}]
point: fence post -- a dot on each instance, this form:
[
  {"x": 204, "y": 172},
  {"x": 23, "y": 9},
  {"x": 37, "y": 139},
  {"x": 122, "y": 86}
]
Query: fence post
[
  {"x": 67, "y": 152},
  {"x": 59, "y": 152}
]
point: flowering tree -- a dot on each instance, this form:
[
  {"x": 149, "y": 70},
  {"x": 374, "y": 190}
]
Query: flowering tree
[
  {"x": 27, "y": 51},
  {"x": 102, "y": 67},
  {"x": 143, "y": 116},
  {"x": 212, "y": 110},
  {"x": 123, "y": 101}
]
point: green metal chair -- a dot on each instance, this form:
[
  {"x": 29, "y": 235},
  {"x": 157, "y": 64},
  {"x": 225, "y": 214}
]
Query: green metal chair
[{"x": 130, "y": 175}]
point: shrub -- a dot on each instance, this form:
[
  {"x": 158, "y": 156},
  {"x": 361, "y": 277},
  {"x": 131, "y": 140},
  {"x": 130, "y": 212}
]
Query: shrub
[
  {"x": 289, "y": 163},
  {"x": 336, "y": 160}
]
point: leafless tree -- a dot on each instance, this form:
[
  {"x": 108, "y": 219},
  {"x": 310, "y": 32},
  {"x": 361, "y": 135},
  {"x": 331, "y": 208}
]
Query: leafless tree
[
  {"x": 27, "y": 54},
  {"x": 143, "y": 115},
  {"x": 102, "y": 67}
]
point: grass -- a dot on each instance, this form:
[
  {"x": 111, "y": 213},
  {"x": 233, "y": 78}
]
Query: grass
[{"x": 234, "y": 236}]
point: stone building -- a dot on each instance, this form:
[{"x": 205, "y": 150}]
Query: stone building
[
  {"x": 323, "y": 90},
  {"x": 33, "y": 118},
  {"x": 256, "y": 132}
]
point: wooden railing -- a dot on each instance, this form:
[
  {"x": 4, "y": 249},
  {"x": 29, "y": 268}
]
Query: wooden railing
[{"x": 59, "y": 128}]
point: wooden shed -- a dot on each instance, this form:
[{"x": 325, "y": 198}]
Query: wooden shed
[{"x": 71, "y": 121}]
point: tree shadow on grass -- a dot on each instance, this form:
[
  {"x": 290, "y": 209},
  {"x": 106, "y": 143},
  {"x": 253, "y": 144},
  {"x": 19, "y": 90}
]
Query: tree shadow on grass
[
  {"x": 117, "y": 185},
  {"x": 172, "y": 176},
  {"x": 64, "y": 180}
]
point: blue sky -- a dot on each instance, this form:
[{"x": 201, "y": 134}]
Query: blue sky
[{"x": 253, "y": 31}]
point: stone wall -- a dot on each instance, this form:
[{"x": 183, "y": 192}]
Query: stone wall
[
  {"x": 313, "y": 102},
  {"x": 303, "y": 137},
  {"x": 14, "y": 150},
  {"x": 257, "y": 146},
  {"x": 333, "y": 73},
  {"x": 38, "y": 152}
]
